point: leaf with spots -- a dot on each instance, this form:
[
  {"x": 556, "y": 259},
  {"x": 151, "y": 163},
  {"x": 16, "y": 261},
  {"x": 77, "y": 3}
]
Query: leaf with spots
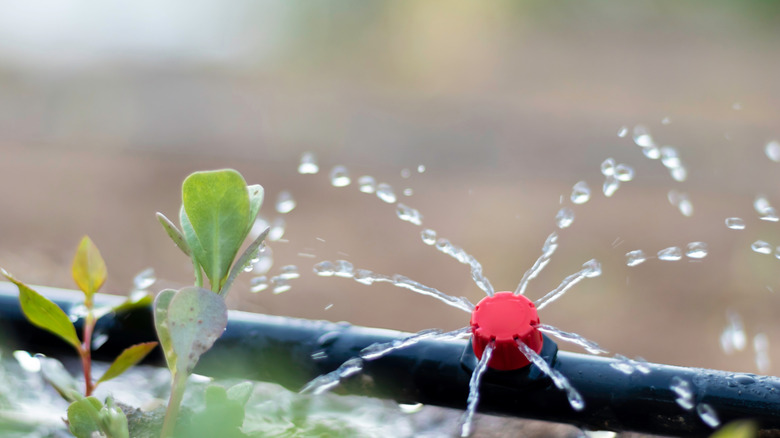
[
  {"x": 161, "y": 304},
  {"x": 196, "y": 317}
]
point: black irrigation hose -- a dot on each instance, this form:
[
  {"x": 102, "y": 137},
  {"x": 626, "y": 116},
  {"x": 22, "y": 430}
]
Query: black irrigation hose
[{"x": 292, "y": 351}]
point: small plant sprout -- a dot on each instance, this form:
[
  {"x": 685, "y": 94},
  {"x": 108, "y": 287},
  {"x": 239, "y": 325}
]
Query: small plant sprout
[
  {"x": 86, "y": 414},
  {"x": 218, "y": 211}
]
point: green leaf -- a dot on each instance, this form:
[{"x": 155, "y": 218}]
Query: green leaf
[
  {"x": 256, "y": 194},
  {"x": 217, "y": 206},
  {"x": 129, "y": 357},
  {"x": 174, "y": 234},
  {"x": 240, "y": 392},
  {"x": 113, "y": 422},
  {"x": 84, "y": 418},
  {"x": 55, "y": 374},
  {"x": 43, "y": 313},
  {"x": 196, "y": 318},
  {"x": 737, "y": 429},
  {"x": 89, "y": 269},
  {"x": 243, "y": 261},
  {"x": 197, "y": 252},
  {"x": 161, "y": 305}
]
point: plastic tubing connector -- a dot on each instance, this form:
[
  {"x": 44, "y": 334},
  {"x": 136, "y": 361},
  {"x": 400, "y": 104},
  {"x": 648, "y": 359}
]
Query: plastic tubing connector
[{"x": 504, "y": 318}]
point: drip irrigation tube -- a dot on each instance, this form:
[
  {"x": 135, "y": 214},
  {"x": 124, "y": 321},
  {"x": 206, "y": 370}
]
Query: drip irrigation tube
[{"x": 292, "y": 352}]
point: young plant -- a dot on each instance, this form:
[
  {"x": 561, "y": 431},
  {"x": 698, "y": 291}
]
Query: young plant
[
  {"x": 218, "y": 211},
  {"x": 89, "y": 273}
]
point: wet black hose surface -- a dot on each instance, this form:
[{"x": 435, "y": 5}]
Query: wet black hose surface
[{"x": 292, "y": 352}]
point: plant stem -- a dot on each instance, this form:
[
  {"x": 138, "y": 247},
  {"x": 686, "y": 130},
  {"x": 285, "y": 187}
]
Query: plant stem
[
  {"x": 85, "y": 352},
  {"x": 174, "y": 402},
  {"x": 198, "y": 273}
]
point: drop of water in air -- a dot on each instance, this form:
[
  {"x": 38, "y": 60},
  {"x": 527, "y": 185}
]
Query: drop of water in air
[
  {"x": 611, "y": 185},
  {"x": 285, "y": 202},
  {"x": 652, "y": 152},
  {"x": 733, "y": 337},
  {"x": 258, "y": 284},
  {"x": 681, "y": 201},
  {"x": 344, "y": 269},
  {"x": 280, "y": 285},
  {"x": 408, "y": 214},
  {"x": 411, "y": 408},
  {"x": 98, "y": 339},
  {"x": 565, "y": 217},
  {"x": 623, "y": 131},
  {"x": 277, "y": 229},
  {"x": 428, "y": 236},
  {"x": 708, "y": 415},
  {"x": 408, "y": 192},
  {"x": 669, "y": 157},
  {"x": 308, "y": 164},
  {"x": 671, "y": 254},
  {"x": 385, "y": 192},
  {"x": 761, "y": 348},
  {"x": 264, "y": 260},
  {"x": 772, "y": 150},
  {"x": 696, "y": 250},
  {"x": 642, "y": 137},
  {"x": 735, "y": 223},
  {"x": 761, "y": 247},
  {"x": 580, "y": 193},
  {"x": 339, "y": 176},
  {"x": 289, "y": 272},
  {"x": 624, "y": 172},
  {"x": 666, "y": 121},
  {"x": 608, "y": 167},
  {"x": 28, "y": 362},
  {"x": 367, "y": 184},
  {"x": 679, "y": 174},
  {"x": 421, "y": 168},
  {"x": 406, "y": 173},
  {"x": 325, "y": 269},
  {"x": 635, "y": 257},
  {"x": 144, "y": 279}
]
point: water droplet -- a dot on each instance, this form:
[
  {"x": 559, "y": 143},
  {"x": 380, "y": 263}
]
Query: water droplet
[
  {"x": 421, "y": 168},
  {"x": 408, "y": 214},
  {"x": 696, "y": 250},
  {"x": 411, "y": 408},
  {"x": 708, "y": 415},
  {"x": 144, "y": 279},
  {"x": 681, "y": 201},
  {"x": 622, "y": 132},
  {"x": 608, "y": 167},
  {"x": 385, "y": 192},
  {"x": 733, "y": 336},
  {"x": 611, "y": 185},
  {"x": 679, "y": 174},
  {"x": 264, "y": 260},
  {"x": 325, "y": 269},
  {"x": 635, "y": 257},
  {"x": 289, "y": 272},
  {"x": 258, "y": 284},
  {"x": 367, "y": 184},
  {"x": 280, "y": 285},
  {"x": 277, "y": 229},
  {"x": 652, "y": 152},
  {"x": 564, "y": 218},
  {"x": 428, "y": 236},
  {"x": 339, "y": 176},
  {"x": 671, "y": 254},
  {"x": 669, "y": 157},
  {"x": 308, "y": 164},
  {"x": 735, "y": 223},
  {"x": 624, "y": 172},
  {"x": 592, "y": 268},
  {"x": 28, "y": 363},
  {"x": 344, "y": 269},
  {"x": 98, "y": 339},
  {"x": 328, "y": 307},
  {"x": 736, "y": 106},
  {"x": 772, "y": 150},
  {"x": 684, "y": 392},
  {"x": 761, "y": 347},
  {"x": 761, "y": 247},
  {"x": 666, "y": 120},
  {"x": 408, "y": 192},
  {"x": 406, "y": 173},
  {"x": 285, "y": 202},
  {"x": 642, "y": 137},
  {"x": 580, "y": 193}
]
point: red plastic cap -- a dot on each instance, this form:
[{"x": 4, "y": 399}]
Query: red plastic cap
[{"x": 503, "y": 318}]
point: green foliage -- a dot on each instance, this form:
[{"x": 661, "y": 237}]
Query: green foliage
[
  {"x": 737, "y": 429},
  {"x": 129, "y": 357},
  {"x": 43, "y": 313},
  {"x": 223, "y": 415},
  {"x": 196, "y": 318},
  {"x": 89, "y": 269},
  {"x": 88, "y": 416}
]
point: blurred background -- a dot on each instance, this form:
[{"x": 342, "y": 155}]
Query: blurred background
[{"x": 106, "y": 107}]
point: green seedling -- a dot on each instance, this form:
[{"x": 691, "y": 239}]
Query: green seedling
[
  {"x": 218, "y": 211},
  {"x": 89, "y": 273}
]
